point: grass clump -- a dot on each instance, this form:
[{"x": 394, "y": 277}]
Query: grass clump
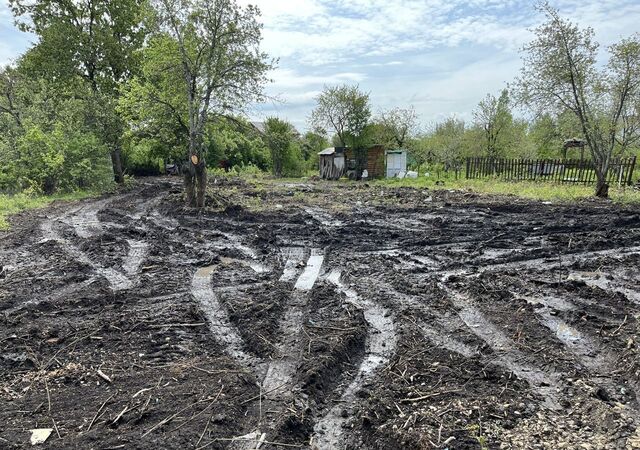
[
  {"x": 12, "y": 204},
  {"x": 553, "y": 192}
]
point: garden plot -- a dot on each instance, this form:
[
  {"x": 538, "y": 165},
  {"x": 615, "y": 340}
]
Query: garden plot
[{"x": 331, "y": 317}]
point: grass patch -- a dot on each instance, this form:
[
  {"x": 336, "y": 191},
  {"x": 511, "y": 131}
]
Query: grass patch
[
  {"x": 12, "y": 204},
  {"x": 536, "y": 191}
]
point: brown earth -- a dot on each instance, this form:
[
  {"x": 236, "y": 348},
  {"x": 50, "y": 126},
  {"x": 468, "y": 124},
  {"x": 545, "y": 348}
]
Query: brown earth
[{"x": 317, "y": 315}]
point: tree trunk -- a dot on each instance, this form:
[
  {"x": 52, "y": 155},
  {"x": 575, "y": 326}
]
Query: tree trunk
[
  {"x": 116, "y": 161},
  {"x": 201, "y": 180},
  {"x": 189, "y": 184},
  {"x": 602, "y": 188}
]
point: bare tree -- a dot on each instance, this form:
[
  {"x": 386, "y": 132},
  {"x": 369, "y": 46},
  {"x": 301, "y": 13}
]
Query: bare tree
[
  {"x": 401, "y": 124},
  {"x": 221, "y": 66},
  {"x": 493, "y": 116},
  {"x": 560, "y": 72}
]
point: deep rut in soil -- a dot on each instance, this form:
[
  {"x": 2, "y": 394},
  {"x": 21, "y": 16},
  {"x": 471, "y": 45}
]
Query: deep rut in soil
[{"x": 379, "y": 326}]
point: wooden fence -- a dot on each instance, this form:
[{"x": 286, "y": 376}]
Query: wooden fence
[{"x": 553, "y": 170}]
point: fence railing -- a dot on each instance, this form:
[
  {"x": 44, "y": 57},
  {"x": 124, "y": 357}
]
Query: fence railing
[{"x": 552, "y": 170}]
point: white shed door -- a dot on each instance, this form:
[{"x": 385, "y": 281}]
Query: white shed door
[{"x": 396, "y": 163}]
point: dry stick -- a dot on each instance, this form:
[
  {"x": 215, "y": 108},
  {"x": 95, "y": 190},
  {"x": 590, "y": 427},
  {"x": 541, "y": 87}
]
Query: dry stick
[
  {"x": 424, "y": 397},
  {"x": 255, "y": 397},
  {"x": 101, "y": 407},
  {"x": 171, "y": 417},
  {"x": 178, "y": 325},
  {"x": 56, "y": 428},
  {"x": 207, "y": 407},
  {"x": 46, "y": 385},
  {"x": 205, "y": 430},
  {"x": 620, "y": 327}
]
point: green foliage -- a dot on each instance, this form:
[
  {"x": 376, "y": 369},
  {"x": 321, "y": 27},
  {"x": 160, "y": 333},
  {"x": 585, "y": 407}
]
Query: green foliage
[
  {"x": 344, "y": 110},
  {"x": 286, "y": 154},
  {"x": 62, "y": 160},
  {"x": 311, "y": 144},
  {"x": 236, "y": 144}
]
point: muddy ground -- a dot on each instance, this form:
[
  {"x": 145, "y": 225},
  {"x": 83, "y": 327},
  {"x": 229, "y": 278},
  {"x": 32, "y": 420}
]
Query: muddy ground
[{"x": 315, "y": 315}]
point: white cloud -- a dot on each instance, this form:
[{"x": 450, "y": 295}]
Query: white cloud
[{"x": 441, "y": 55}]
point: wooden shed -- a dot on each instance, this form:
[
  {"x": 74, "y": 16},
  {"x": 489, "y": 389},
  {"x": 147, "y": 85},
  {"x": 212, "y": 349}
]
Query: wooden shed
[
  {"x": 338, "y": 161},
  {"x": 375, "y": 161},
  {"x": 332, "y": 163}
]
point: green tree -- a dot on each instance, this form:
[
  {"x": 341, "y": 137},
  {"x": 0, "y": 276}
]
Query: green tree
[
  {"x": 311, "y": 144},
  {"x": 560, "y": 72},
  {"x": 94, "y": 40},
  {"x": 345, "y": 110},
  {"x": 212, "y": 65},
  {"x": 400, "y": 125},
  {"x": 493, "y": 116},
  {"x": 279, "y": 138}
]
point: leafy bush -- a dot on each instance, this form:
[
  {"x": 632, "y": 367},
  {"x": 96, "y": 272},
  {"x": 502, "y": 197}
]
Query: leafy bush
[{"x": 63, "y": 160}]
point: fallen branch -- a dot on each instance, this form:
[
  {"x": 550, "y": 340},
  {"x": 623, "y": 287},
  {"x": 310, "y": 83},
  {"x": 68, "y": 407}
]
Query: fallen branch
[
  {"x": 99, "y": 410},
  {"x": 178, "y": 325},
  {"x": 425, "y": 397}
]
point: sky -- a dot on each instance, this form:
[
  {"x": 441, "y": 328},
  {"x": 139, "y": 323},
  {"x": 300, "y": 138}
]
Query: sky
[{"x": 440, "y": 56}]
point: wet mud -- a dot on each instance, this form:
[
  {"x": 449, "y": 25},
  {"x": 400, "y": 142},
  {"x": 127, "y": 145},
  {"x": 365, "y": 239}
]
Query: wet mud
[{"x": 320, "y": 316}]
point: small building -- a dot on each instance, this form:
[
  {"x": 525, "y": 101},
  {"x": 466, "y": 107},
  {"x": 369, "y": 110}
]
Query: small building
[
  {"x": 396, "y": 163},
  {"x": 336, "y": 162},
  {"x": 573, "y": 143},
  {"x": 332, "y": 162}
]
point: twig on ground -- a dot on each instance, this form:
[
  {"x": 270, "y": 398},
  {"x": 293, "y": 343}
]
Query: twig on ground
[{"x": 99, "y": 410}]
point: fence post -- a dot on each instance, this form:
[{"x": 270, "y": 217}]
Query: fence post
[{"x": 632, "y": 166}]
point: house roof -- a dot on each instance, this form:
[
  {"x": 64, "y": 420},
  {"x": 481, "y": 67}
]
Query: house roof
[{"x": 328, "y": 151}]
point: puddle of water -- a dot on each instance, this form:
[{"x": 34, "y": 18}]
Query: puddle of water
[
  {"x": 599, "y": 280},
  {"x": 251, "y": 253},
  {"x": 323, "y": 217},
  {"x": 137, "y": 252},
  {"x": 556, "y": 303},
  {"x": 293, "y": 257},
  {"x": 311, "y": 272},
  {"x": 253, "y": 265},
  {"x": 219, "y": 322}
]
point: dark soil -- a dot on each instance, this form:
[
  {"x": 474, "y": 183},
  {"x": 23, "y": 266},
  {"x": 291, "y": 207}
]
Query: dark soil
[{"x": 515, "y": 323}]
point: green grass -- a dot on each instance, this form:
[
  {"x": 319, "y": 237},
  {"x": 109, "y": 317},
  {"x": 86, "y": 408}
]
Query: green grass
[
  {"x": 12, "y": 204},
  {"x": 536, "y": 191}
]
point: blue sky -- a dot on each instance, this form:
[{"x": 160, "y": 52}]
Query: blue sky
[{"x": 441, "y": 56}]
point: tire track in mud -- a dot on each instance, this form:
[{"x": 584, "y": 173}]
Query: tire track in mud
[
  {"x": 280, "y": 372},
  {"x": 86, "y": 224},
  {"x": 219, "y": 322},
  {"x": 537, "y": 263},
  {"x": 507, "y": 355},
  {"x": 379, "y": 346}
]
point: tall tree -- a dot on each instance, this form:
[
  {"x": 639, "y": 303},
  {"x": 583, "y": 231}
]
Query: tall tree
[
  {"x": 279, "y": 137},
  {"x": 493, "y": 116},
  {"x": 345, "y": 110},
  {"x": 560, "y": 72},
  {"x": 211, "y": 50},
  {"x": 448, "y": 142},
  {"x": 95, "y": 40},
  {"x": 401, "y": 125}
]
